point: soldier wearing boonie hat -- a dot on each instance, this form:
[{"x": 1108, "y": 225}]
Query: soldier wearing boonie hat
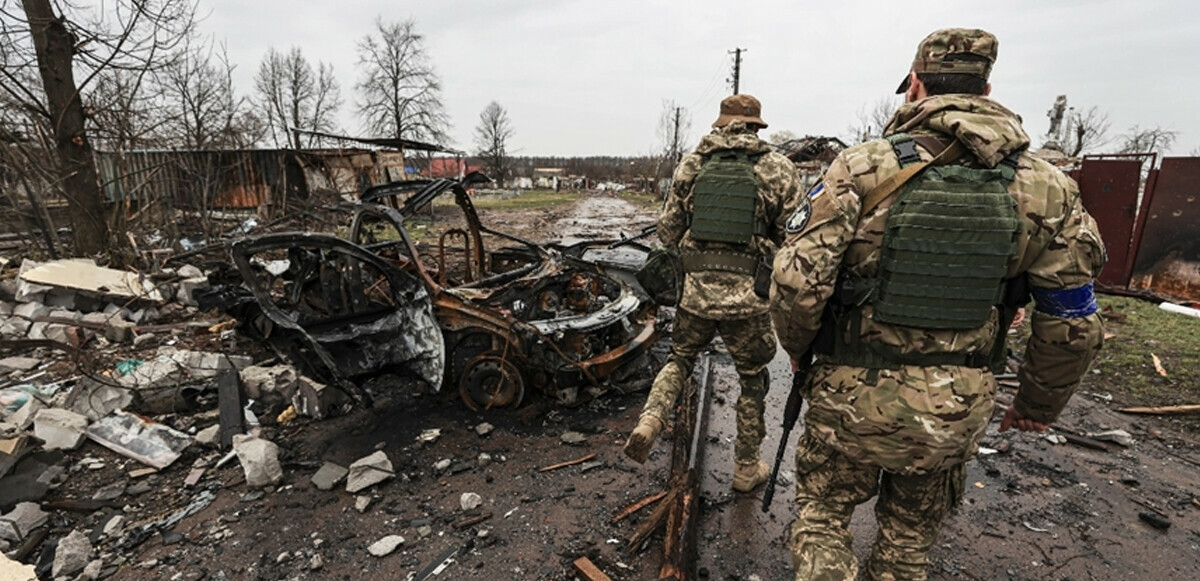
[
  {"x": 902, "y": 387},
  {"x": 726, "y": 214}
]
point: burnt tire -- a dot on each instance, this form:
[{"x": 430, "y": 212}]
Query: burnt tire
[{"x": 490, "y": 381}]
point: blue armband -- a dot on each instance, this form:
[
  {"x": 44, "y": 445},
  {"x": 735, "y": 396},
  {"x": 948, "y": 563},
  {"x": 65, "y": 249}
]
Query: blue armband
[{"x": 1070, "y": 303}]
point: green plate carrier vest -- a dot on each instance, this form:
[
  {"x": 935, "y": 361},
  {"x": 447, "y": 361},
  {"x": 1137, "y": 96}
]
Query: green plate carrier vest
[
  {"x": 725, "y": 198},
  {"x": 946, "y": 245}
]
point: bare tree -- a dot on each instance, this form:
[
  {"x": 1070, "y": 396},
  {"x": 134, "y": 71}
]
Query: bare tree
[
  {"x": 62, "y": 41},
  {"x": 125, "y": 112},
  {"x": 871, "y": 121},
  {"x": 204, "y": 111},
  {"x": 1086, "y": 131},
  {"x": 1150, "y": 140},
  {"x": 491, "y": 140},
  {"x": 294, "y": 97},
  {"x": 399, "y": 94}
]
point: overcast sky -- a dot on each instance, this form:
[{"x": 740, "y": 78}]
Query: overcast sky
[{"x": 589, "y": 77}]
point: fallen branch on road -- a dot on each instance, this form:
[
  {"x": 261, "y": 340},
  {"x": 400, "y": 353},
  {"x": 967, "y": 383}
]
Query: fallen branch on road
[{"x": 591, "y": 456}]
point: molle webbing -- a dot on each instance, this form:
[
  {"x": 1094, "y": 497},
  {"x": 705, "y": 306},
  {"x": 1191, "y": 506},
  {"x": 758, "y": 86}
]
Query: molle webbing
[
  {"x": 946, "y": 248},
  {"x": 725, "y": 199},
  {"x": 697, "y": 261}
]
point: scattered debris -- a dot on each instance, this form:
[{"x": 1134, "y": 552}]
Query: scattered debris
[
  {"x": 60, "y": 429},
  {"x": 1180, "y": 309},
  {"x": 259, "y": 459},
  {"x": 369, "y": 471},
  {"x": 193, "y": 477},
  {"x": 72, "y": 554},
  {"x": 429, "y": 436},
  {"x": 146, "y": 441},
  {"x": 567, "y": 463},
  {"x": 442, "y": 561},
  {"x": 21, "y": 521},
  {"x": 329, "y": 475},
  {"x": 1171, "y": 410},
  {"x": 472, "y": 521},
  {"x": 1116, "y": 436},
  {"x": 385, "y": 546},
  {"x": 484, "y": 429},
  {"x": 589, "y": 571},
  {"x": 84, "y": 275},
  {"x": 1033, "y": 528},
  {"x": 1158, "y": 365},
  {"x": 362, "y": 503},
  {"x": 15, "y": 571},
  {"x": 470, "y": 501},
  {"x": 635, "y": 507},
  {"x": 573, "y": 438},
  {"x": 1155, "y": 520}
]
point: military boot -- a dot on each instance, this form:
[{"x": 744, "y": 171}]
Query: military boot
[
  {"x": 749, "y": 475},
  {"x": 637, "y": 447}
]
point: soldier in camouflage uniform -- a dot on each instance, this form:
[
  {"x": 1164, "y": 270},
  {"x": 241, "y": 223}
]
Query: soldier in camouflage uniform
[
  {"x": 896, "y": 409},
  {"x": 725, "y": 213}
]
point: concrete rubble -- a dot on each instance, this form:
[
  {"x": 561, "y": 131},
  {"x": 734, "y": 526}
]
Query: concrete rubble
[
  {"x": 369, "y": 471},
  {"x": 385, "y": 546},
  {"x": 72, "y": 554},
  {"x": 329, "y": 476},
  {"x": 22, "y": 520},
  {"x": 60, "y": 429},
  {"x": 259, "y": 459}
]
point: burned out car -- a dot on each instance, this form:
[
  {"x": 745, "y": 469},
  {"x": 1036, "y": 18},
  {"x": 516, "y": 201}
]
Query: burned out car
[
  {"x": 514, "y": 314},
  {"x": 335, "y": 310}
]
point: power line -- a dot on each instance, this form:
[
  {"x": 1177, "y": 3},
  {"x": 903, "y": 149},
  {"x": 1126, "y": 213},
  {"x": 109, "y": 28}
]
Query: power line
[{"x": 712, "y": 84}]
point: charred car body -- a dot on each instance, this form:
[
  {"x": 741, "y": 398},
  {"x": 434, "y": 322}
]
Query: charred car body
[
  {"x": 491, "y": 314},
  {"x": 514, "y": 314}
]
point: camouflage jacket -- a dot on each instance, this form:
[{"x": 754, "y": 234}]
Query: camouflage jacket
[
  {"x": 727, "y": 295},
  {"x": 919, "y": 419}
]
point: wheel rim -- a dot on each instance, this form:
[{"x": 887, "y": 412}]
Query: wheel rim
[{"x": 491, "y": 382}]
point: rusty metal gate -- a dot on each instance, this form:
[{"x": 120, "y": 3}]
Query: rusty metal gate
[
  {"x": 1168, "y": 253},
  {"x": 1109, "y": 188}
]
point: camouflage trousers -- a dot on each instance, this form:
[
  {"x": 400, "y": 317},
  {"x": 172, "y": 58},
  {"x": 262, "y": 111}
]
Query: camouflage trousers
[
  {"x": 909, "y": 512},
  {"x": 750, "y": 341}
]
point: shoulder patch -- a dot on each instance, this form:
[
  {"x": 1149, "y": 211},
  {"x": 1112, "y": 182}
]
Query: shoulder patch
[
  {"x": 816, "y": 191},
  {"x": 800, "y": 218}
]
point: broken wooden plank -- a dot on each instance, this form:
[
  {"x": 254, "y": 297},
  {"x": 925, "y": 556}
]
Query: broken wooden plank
[
  {"x": 635, "y": 507},
  {"x": 1170, "y": 410},
  {"x": 657, "y": 517},
  {"x": 589, "y": 571},
  {"x": 683, "y": 520},
  {"x": 591, "y": 456}
]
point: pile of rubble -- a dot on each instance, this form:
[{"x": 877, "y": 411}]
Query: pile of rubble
[{"x": 92, "y": 353}]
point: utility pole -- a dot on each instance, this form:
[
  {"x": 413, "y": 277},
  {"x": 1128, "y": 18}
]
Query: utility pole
[{"x": 737, "y": 68}]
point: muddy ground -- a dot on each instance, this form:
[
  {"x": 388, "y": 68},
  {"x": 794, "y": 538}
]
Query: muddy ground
[{"x": 1034, "y": 509}]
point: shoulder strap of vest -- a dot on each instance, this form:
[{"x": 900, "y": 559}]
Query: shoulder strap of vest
[{"x": 883, "y": 190}]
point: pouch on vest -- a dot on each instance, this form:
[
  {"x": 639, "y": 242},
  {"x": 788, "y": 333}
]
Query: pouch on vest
[
  {"x": 725, "y": 197},
  {"x": 946, "y": 246},
  {"x": 661, "y": 276}
]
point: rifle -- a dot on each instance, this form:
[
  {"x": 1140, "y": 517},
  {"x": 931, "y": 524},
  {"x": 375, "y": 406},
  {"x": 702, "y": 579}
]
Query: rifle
[
  {"x": 647, "y": 231},
  {"x": 791, "y": 413}
]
